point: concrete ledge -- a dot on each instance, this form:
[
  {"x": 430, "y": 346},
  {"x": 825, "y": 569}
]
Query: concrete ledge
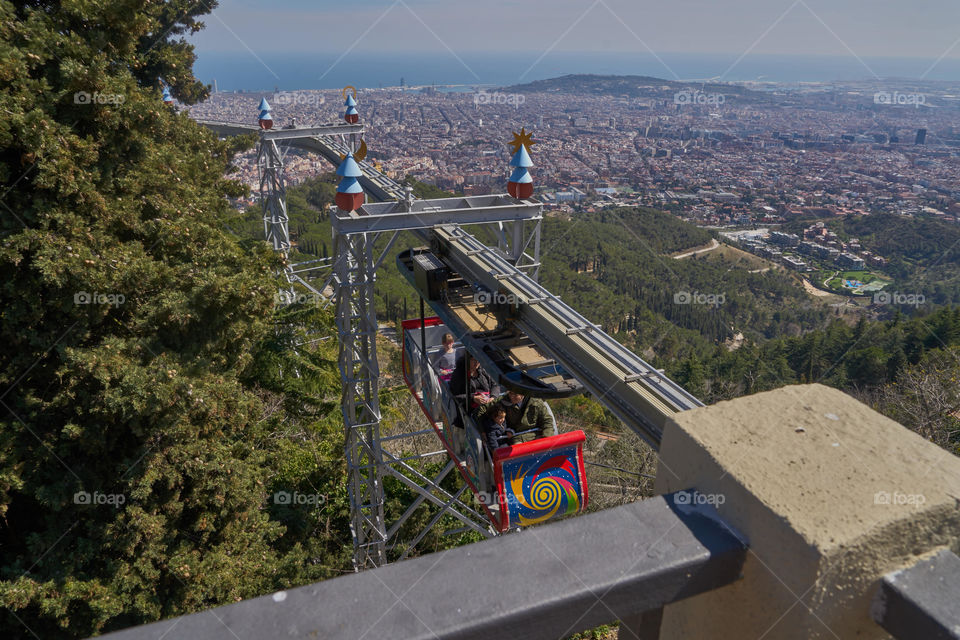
[{"x": 830, "y": 495}]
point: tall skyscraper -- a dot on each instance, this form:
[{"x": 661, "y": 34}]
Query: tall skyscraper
[{"x": 921, "y": 136}]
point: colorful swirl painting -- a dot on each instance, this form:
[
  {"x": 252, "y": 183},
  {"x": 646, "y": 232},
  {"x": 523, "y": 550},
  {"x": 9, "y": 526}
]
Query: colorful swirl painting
[{"x": 542, "y": 486}]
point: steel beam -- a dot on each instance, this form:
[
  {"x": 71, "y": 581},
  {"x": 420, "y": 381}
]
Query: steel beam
[
  {"x": 639, "y": 394},
  {"x": 237, "y": 128},
  {"x": 312, "y": 132},
  {"x": 430, "y": 214}
]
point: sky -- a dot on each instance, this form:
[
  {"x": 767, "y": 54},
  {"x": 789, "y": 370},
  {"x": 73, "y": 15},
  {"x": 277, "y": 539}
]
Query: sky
[{"x": 864, "y": 28}]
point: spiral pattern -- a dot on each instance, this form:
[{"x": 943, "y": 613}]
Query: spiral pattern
[
  {"x": 542, "y": 486},
  {"x": 545, "y": 493}
]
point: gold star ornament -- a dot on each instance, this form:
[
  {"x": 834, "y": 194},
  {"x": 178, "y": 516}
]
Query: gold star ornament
[{"x": 522, "y": 139}]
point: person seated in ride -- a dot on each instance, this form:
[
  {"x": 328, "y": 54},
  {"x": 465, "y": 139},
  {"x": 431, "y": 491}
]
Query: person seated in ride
[
  {"x": 527, "y": 423},
  {"x": 445, "y": 361},
  {"x": 495, "y": 430},
  {"x": 482, "y": 388}
]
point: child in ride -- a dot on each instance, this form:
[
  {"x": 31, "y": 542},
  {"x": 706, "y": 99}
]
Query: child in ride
[{"x": 495, "y": 429}]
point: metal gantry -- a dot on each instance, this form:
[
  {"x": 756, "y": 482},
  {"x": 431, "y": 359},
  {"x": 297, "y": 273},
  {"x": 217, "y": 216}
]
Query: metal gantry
[{"x": 516, "y": 226}]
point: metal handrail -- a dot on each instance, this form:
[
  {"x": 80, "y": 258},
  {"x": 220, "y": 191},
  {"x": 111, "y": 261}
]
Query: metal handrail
[{"x": 462, "y": 593}]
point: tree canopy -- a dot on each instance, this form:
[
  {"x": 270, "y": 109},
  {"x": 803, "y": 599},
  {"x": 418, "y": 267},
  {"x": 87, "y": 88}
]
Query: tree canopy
[{"x": 138, "y": 447}]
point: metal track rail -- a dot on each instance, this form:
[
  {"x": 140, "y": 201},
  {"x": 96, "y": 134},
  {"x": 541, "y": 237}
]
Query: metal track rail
[{"x": 636, "y": 391}]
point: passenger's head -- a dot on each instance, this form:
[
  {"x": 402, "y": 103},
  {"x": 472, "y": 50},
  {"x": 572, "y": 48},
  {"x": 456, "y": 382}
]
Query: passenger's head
[
  {"x": 447, "y": 341},
  {"x": 499, "y": 415},
  {"x": 514, "y": 398},
  {"x": 474, "y": 365}
]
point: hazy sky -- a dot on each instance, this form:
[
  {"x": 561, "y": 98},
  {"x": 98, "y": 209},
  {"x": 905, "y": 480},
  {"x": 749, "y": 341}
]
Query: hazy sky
[{"x": 866, "y": 28}]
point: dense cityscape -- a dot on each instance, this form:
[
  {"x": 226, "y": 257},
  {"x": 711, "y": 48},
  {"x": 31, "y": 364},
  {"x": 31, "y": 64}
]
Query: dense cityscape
[{"x": 757, "y": 154}]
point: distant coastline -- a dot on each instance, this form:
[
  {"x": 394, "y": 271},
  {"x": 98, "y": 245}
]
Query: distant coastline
[{"x": 243, "y": 71}]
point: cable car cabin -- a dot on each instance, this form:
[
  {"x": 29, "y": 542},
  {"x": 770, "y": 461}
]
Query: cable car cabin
[
  {"x": 483, "y": 321},
  {"x": 520, "y": 484}
]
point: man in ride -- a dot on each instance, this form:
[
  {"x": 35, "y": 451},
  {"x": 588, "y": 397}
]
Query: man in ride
[{"x": 530, "y": 416}]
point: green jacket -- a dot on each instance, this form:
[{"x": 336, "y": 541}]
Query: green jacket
[{"x": 535, "y": 417}]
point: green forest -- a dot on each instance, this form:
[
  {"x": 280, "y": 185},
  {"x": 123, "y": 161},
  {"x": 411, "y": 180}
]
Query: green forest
[{"x": 154, "y": 399}]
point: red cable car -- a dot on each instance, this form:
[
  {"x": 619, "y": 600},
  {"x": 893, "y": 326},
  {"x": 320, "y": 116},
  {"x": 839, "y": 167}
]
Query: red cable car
[{"x": 518, "y": 484}]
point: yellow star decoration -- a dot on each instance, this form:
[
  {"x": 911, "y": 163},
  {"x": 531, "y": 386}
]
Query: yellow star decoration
[{"x": 522, "y": 138}]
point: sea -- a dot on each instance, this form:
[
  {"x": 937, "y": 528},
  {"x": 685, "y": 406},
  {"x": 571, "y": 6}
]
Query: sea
[{"x": 364, "y": 69}]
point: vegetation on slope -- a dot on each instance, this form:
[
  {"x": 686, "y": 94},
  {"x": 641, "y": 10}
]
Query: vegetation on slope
[
  {"x": 629, "y": 86},
  {"x": 622, "y": 277}
]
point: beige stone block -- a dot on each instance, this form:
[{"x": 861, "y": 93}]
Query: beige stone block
[{"x": 830, "y": 496}]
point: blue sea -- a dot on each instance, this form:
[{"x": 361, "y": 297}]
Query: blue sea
[{"x": 289, "y": 71}]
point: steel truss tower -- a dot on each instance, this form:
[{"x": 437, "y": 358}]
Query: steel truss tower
[
  {"x": 368, "y": 461},
  {"x": 360, "y": 373},
  {"x": 273, "y": 194}
]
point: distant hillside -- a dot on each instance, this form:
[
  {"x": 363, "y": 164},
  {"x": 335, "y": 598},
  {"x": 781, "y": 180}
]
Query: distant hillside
[
  {"x": 611, "y": 266},
  {"x": 628, "y": 86}
]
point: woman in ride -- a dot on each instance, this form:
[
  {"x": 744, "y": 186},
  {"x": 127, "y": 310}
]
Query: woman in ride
[
  {"x": 478, "y": 385},
  {"x": 445, "y": 361}
]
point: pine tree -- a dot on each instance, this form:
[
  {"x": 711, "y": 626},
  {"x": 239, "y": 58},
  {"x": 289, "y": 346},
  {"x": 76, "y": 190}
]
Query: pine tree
[{"x": 135, "y": 459}]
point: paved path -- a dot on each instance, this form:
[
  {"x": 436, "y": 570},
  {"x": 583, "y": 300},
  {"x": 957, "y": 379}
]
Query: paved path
[{"x": 713, "y": 245}]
